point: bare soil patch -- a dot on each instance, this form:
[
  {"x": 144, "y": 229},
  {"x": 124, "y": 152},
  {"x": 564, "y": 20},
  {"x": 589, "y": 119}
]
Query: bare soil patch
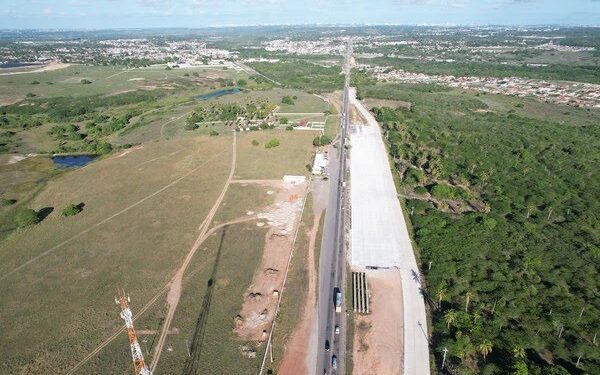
[
  {"x": 378, "y": 338},
  {"x": 260, "y": 299}
]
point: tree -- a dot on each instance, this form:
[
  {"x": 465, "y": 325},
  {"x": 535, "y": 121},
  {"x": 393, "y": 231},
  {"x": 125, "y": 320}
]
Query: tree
[
  {"x": 450, "y": 317},
  {"x": 283, "y": 120},
  {"x": 242, "y": 82},
  {"x": 321, "y": 140},
  {"x": 485, "y": 348},
  {"x": 71, "y": 210},
  {"x": 468, "y": 297},
  {"x": 520, "y": 368},
  {"x": 519, "y": 352},
  {"x": 26, "y": 217},
  {"x": 440, "y": 294}
]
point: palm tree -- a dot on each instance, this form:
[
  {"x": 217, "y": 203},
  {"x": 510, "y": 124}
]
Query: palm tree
[
  {"x": 450, "y": 317},
  {"x": 468, "y": 296},
  {"x": 441, "y": 294},
  {"x": 519, "y": 352},
  {"x": 485, "y": 348}
]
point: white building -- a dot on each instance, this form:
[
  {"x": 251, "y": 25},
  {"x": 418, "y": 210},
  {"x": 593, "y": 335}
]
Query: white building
[{"x": 320, "y": 164}]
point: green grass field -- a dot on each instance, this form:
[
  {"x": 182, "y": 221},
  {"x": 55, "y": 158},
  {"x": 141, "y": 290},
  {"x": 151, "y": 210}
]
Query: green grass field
[
  {"x": 289, "y": 158},
  {"x": 70, "y": 308},
  {"x": 141, "y": 210}
]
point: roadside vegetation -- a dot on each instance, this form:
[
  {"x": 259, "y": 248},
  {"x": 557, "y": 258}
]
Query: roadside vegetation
[
  {"x": 505, "y": 216},
  {"x": 303, "y": 75}
]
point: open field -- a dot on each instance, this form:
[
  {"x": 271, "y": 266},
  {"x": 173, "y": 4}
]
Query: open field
[
  {"x": 290, "y": 158},
  {"x": 105, "y": 80},
  {"x": 129, "y": 235}
]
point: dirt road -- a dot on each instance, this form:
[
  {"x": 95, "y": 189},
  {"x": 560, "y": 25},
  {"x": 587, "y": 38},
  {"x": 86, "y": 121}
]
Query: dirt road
[{"x": 175, "y": 285}]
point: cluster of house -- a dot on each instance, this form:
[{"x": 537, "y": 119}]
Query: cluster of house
[
  {"x": 570, "y": 93},
  {"x": 184, "y": 51},
  {"x": 323, "y": 46}
]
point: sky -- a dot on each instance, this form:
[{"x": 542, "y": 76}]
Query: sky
[{"x": 102, "y": 14}]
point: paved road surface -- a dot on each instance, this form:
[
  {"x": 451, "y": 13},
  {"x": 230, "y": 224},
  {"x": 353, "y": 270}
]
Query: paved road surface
[
  {"x": 332, "y": 261},
  {"x": 379, "y": 236}
]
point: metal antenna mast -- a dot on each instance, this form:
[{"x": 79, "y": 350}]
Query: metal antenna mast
[{"x": 139, "y": 366}]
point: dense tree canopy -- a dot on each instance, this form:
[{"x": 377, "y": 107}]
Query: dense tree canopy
[{"x": 505, "y": 211}]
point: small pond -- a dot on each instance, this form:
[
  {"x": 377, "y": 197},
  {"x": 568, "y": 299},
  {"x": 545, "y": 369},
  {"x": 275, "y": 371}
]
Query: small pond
[
  {"x": 218, "y": 93},
  {"x": 72, "y": 161}
]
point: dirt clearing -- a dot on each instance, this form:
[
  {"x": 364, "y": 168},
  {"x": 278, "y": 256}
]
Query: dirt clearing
[
  {"x": 378, "y": 337},
  {"x": 260, "y": 299}
]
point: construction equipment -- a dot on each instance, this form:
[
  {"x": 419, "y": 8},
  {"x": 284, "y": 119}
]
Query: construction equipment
[{"x": 139, "y": 366}]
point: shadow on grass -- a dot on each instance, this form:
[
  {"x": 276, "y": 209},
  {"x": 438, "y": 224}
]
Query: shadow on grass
[
  {"x": 191, "y": 364},
  {"x": 44, "y": 212}
]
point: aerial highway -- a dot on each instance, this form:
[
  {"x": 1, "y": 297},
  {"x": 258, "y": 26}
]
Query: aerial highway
[{"x": 332, "y": 342}]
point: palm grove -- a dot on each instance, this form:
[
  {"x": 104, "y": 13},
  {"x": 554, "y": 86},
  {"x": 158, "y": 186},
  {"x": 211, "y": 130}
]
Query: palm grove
[{"x": 505, "y": 215}]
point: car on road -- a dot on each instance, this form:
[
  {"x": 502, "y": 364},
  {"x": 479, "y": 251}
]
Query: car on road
[
  {"x": 337, "y": 330},
  {"x": 334, "y": 362},
  {"x": 327, "y": 346}
]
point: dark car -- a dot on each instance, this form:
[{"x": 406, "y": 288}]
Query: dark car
[{"x": 327, "y": 345}]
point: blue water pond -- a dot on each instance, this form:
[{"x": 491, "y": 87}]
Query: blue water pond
[
  {"x": 72, "y": 161},
  {"x": 218, "y": 93}
]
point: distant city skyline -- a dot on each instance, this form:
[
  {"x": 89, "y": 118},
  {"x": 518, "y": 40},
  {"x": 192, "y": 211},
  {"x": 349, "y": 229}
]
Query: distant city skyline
[{"x": 99, "y": 14}]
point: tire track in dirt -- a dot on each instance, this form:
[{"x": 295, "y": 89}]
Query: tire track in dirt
[{"x": 175, "y": 285}]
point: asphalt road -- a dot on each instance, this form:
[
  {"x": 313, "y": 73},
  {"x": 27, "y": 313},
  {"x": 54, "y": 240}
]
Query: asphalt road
[{"x": 332, "y": 259}]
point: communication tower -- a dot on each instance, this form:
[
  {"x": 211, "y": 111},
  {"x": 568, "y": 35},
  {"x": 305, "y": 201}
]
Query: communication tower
[{"x": 139, "y": 366}]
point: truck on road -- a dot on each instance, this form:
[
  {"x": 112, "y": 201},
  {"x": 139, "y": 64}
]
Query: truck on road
[{"x": 338, "y": 300}]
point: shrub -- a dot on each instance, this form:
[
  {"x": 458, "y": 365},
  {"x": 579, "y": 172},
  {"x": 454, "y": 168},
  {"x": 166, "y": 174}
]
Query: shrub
[
  {"x": 71, "y": 210},
  {"x": 85, "y": 81},
  {"x": 287, "y": 100},
  {"x": 26, "y": 217},
  {"x": 255, "y": 142},
  {"x": 191, "y": 126},
  {"x": 214, "y": 133},
  {"x": 443, "y": 191},
  {"x": 30, "y": 95},
  {"x": 7, "y": 202},
  {"x": 35, "y": 82},
  {"x": 420, "y": 190},
  {"x": 273, "y": 142},
  {"x": 242, "y": 82},
  {"x": 289, "y": 127},
  {"x": 284, "y": 120}
]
